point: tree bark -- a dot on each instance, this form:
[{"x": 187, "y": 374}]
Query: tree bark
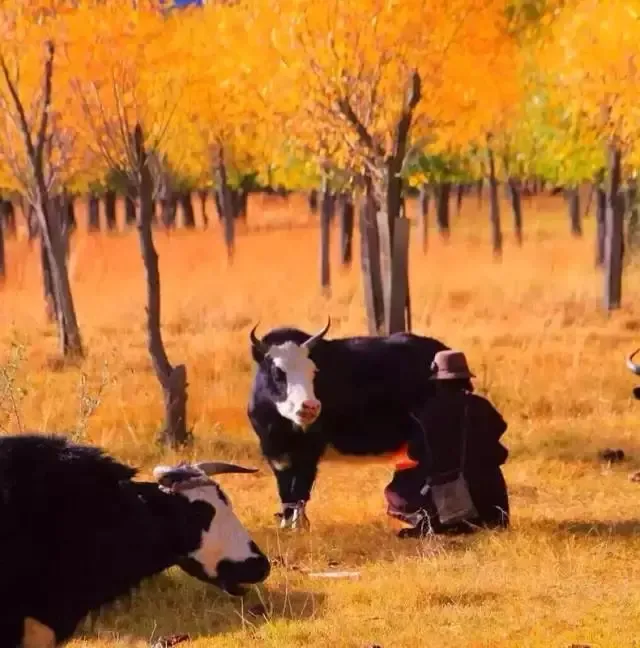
[
  {"x": 370, "y": 261},
  {"x": 110, "y": 210},
  {"x": 601, "y": 224},
  {"x": 93, "y": 213},
  {"x": 188, "y": 214},
  {"x": 326, "y": 200},
  {"x": 224, "y": 203},
  {"x": 346, "y": 230},
  {"x": 443, "y": 191},
  {"x": 572, "y": 195},
  {"x": 516, "y": 205},
  {"x": 173, "y": 380},
  {"x": 494, "y": 206},
  {"x": 614, "y": 242},
  {"x": 129, "y": 211},
  {"x": 202, "y": 194}
]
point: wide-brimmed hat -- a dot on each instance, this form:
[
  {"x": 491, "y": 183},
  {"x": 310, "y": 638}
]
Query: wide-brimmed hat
[{"x": 448, "y": 365}]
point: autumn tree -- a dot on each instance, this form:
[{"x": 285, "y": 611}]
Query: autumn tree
[
  {"x": 38, "y": 141},
  {"x": 125, "y": 102},
  {"x": 365, "y": 73},
  {"x": 594, "y": 54}
]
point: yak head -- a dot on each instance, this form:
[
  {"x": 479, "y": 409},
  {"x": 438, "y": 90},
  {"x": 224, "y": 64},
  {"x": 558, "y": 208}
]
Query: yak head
[
  {"x": 289, "y": 373},
  {"x": 226, "y": 556}
]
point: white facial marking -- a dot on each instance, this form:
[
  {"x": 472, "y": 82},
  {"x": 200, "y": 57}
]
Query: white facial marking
[
  {"x": 281, "y": 463},
  {"x": 37, "y": 635},
  {"x": 294, "y": 361},
  {"x": 225, "y": 539}
]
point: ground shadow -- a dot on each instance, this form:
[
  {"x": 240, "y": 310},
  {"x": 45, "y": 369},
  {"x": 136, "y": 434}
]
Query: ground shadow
[
  {"x": 586, "y": 528},
  {"x": 173, "y": 603},
  {"x": 345, "y": 546}
]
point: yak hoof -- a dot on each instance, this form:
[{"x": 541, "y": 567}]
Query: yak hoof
[{"x": 294, "y": 517}]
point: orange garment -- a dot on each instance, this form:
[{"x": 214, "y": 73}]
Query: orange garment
[{"x": 402, "y": 459}]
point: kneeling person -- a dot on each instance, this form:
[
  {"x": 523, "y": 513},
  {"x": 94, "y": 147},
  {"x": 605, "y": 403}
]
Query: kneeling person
[{"x": 454, "y": 483}]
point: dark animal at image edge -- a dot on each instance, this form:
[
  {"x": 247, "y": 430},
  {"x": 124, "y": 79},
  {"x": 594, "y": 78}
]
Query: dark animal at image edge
[
  {"x": 355, "y": 394},
  {"x": 636, "y": 370},
  {"x": 76, "y": 533}
]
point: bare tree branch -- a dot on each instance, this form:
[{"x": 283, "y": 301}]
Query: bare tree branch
[
  {"x": 364, "y": 135},
  {"x": 46, "y": 96}
]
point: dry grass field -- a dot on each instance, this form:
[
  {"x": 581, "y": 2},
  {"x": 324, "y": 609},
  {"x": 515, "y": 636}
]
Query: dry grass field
[{"x": 552, "y": 362}]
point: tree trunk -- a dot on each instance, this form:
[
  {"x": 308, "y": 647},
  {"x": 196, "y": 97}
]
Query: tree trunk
[
  {"x": 572, "y": 195},
  {"x": 494, "y": 206},
  {"x": 173, "y": 380},
  {"x": 110, "y": 210},
  {"x": 33, "y": 228},
  {"x": 51, "y": 230},
  {"x": 516, "y": 205},
  {"x": 614, "y": 242},
  {"x": 346, "y": 230},
  {"x": 188, "y": 215},
  {"x": 239, "y": 199},
  {"x": 169, "y": 209},
  {"x": 442, "y": 208},
  {"x": 587, "y": 209},
  {"x": 225, "y": 205},
  {"x": 479, "y": 184},
  {"x": 129, "y": 211},
  {"x": 423, "y": 216},
  {"x": 202, "y": 194},
  {"x": 632, "y": 206},
  {"x": 370, "y": 261},
  {"x": 93, "y": 213},
  {"x": 71, "y": 222},
  {"x": 326, "y": 200},
  {"x": 47, "y": 283},
  {"x": 601, "y": 224},
  {"x": 313, "y": 201},
  {"x": 459, "y": 196},
  {"x": 8, "y": 218}
]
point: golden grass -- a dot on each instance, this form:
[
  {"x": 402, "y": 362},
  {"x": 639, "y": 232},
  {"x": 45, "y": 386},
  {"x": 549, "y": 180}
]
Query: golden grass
[{"x": 543, "y": 351}]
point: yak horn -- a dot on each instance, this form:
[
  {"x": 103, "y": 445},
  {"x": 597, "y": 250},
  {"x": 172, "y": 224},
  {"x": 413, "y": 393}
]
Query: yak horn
[
  {"x": 311, "y": 342},
  {"x": 632, "y": 365},
  {"x": 220, "y": 467},
  {"x": 258, "y": 344}
]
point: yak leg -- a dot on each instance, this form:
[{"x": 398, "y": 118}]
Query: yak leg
[{"x": 295, "y": 474}]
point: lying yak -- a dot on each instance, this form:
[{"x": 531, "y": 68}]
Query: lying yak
[
  {"x": 76, "y": 532},
  {"x": 355, "y": 394}
]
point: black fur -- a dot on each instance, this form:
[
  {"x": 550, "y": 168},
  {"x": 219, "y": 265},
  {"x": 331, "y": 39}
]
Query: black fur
[
  {"x": 368, "y": 386},
  {"x": 76, "y": 532}
]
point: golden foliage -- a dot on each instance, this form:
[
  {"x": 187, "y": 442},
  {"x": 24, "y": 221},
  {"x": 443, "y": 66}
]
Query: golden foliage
[{"x": 595, "y": 53}]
